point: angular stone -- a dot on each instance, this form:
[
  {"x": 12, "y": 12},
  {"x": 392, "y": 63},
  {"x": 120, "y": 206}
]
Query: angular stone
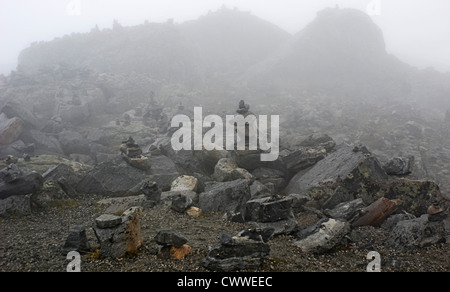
[
  {"x": 10, "y": 130},
  {"x": 236, "y": 253},
  {"x": 323, "y": 236},
  {"x": 399, "y": 166},
  {"x": 76, "y": 241},
  {"x": 19, "y": 182},
  {"x": 15, "y": 206},
  {"x": 227, "y": 170},
  {"x": 170, "y": 238},
  {"x": 298, "y": 201},
  {"x": 353, "y": 168},
  {"x": 185, "y": 183},
  {"x": 340, "y": 195},
  {"x": 269, "y": 209},
  {"x": 181, "y": 203},
  {"x": 108, "y": 221},
  {"x": 416, "y": 233},
  {"x": 225, "y": 196}
]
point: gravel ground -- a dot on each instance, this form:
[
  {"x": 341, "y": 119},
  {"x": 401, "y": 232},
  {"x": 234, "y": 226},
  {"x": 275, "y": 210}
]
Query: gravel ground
[{"x": 33, "y": 244}]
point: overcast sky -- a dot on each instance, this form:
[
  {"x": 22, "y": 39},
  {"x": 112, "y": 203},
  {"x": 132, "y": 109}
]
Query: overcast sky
[{"x": 417, "y": 31}]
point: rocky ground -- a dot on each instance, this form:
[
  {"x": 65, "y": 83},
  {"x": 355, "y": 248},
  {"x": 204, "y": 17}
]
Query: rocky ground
[{"x": 34, "y": 243}]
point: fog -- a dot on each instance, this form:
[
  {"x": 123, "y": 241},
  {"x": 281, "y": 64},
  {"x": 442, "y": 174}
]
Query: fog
[{"x": 415, "y": 31}]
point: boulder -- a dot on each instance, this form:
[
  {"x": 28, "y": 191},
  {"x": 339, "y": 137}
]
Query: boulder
[
  {"x": 73, "y": 142},
  {"x": 76, "y": 240},
  {"x": 170, "y": 238},
  {"x": 351, "y": 167},
  {"x": 181, "y": 203},
  {"x": 18, "y": 182},
  {"x": 269, "y": 175},
  {"x": 10, "y": 129},
  {"x": 118, "y": 178},
  {"x": 269, "y": 209},
  {"x": 15, "y": 206},
  {"x": 227, "y": 169},
  {"x": 323, "y": 236},
  {"x": 225, "y": 196},
  {"x": 44, "y": 143},
  {"x": 416, "y": 233},
  {"x": 340, "y": 195},
  {"x": 399, "y": 166},
  {"x": 184, "y": 183},
  {"x": 236, "y": 253}
]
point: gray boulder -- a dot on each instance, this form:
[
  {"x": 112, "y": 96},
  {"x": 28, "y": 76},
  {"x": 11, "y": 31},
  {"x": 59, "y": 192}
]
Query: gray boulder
[
  {"x": 76, "y": 241},
  {"x": 170, "y": 238},
  {"x": 15, "y": 206},
  {"x": 225, "y": 196},
  {"x": 118, "y": 178},
  {"x": 236, "y": 253},
  {"x": 323, "y": 236},
  {"x": 417, "y": 233},
  {"x": 19, "y": 182},
  {"x": 353, "y": 168},
  {"x": 399, "y": 166}
]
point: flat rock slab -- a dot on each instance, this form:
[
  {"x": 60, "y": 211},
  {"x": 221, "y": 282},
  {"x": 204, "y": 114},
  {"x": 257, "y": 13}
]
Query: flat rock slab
[{"x": 108, "y": 221}]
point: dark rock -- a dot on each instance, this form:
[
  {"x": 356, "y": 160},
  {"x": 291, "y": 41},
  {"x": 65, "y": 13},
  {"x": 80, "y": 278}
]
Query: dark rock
[
  {"x": 392, "y": 220},
  {"x": 340, "y": 195},
  {"x": 416, "y": 233},
  {"x": 225, "y": 196},
  {"x": 298, "y": 201},
  {"x": 236, "y": 253},
  {"x": 269, "y": 209},
  {"x": 15, "y": 206},
  {"x": 170, "y": 238},
  {"x": 18, "y": 182},
  {"x": 258, "y": 190},
  {"x": 152, "y": 192},
  {"x": 257, "y": 234},
  {"x": 399, "y": 166},
  {"x": 356, "y": 170},
  {"x": 269, "y": 175},
  {"x": 76, "y": 241},
  {"x": 118, "y": 178},
  {"x": 181, "y": 203}
]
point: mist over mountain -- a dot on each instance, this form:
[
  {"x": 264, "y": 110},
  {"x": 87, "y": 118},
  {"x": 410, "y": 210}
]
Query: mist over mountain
[{"x": 341, "y": 53}]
